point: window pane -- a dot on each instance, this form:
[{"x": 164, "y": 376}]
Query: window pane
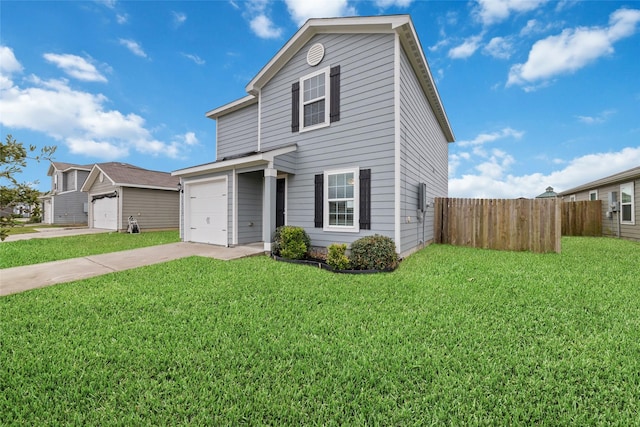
[
  {"x": 626, "y": 197},
  {"x": 340, "y": 214},
  {"x": 626, "y": 213},
  {"x": 314, "y": 113},
  {"x": 313, "y": 87}
]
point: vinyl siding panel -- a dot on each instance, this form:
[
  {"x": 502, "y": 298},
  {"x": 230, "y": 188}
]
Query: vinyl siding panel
[
  {"x": 237, "y": 132},
  {"x": 363, "y": 138},
  {"x": 610, "y": 225},
  {"x": 153, "y": 209},
  {"x": 68, "y": 206},
  {"x": 424, "y": 158},
  {"x": 250, "y": 207}
]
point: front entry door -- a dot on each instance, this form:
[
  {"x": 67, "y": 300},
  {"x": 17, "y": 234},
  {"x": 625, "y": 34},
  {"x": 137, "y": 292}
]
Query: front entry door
[{"x": 280, "y": 190}]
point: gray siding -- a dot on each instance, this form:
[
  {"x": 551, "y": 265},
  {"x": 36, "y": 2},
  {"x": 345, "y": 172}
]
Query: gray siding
[
  {"x": 364, "y": 136},
  {"x": 237, "y": 132},
  {"x": 68, "y": 205},
  {"x": 610, "y": 225},
  {"x": 153, "y": 209},
  {"x": 424, "y": 158},
  {"x": 250, "y": 207}
]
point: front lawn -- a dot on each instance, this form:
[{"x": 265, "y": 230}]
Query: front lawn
[
  {"x": 35, "y": 251},
  {"x": 455, "y": 336}
]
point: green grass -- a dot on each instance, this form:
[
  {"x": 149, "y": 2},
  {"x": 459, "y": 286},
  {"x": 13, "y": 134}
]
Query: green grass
[
  {"x": 35, "y": 251},
  {"x": 455, "y": 336}
]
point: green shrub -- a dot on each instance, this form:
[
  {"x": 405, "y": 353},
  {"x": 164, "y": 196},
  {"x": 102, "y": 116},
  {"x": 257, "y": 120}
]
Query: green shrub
[
  {"x": 336, "y": 257},
  {"x": 291, "y": 242},
  {"x": 374, "y": 253}
]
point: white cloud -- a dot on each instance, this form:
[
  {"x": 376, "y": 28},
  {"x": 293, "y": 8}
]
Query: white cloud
[
  {"x": 489, "y": 137},
  {"x": 466, "y": 49},
  {"x": 134, "y": 47},
  {"x": 76, "y": 66},
  {"x": 179, "y": 18},
  {"x": 392, "y": 3},
  {"x": 8, "y": 62},
  {"x": 488, "y": 183},
  {"x": 597, "y": 119},
  {"x": 194, "y": 58},
  {"x": 499, "y": 47},
  {"x": 78, "y": 119},
  {"x": 301, "y": 10},
  {"x": 494, "y": 11},
  {"x": 264, "y": 28},
  {"x": 573, "y": 49},
  {"x": 122, "y": 18}
]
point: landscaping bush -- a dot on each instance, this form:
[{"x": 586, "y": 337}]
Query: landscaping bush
[
  {"x": 291, "y": 242},
  {"x": 336, "y": 257},
  {"x": 374, "y": 253}
]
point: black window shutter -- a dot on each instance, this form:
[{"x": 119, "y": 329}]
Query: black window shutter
[
  {"x": 334, "y": 111},
  {"x": 365, "y": 199},
  {"x": 319, "y": 200},
  {"x": 295, "y": 107}
]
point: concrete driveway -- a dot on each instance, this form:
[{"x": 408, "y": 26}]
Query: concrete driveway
[
  {"x": 45, "y": 233},
  {"x": 19, "y": 279}
]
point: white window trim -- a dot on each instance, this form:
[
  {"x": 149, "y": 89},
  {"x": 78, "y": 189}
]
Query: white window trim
[
  {"x": 593, "y": 192},
  {"x": 632, "y": 203},
  {"x": 572, "y": 198},
  {"x": 327, "y": 100},
  {"x": 355, "y": 228}
]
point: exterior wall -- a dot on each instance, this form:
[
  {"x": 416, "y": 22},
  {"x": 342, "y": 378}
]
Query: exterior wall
[
  {"x": 610, "y": 225},
  {"x": 237, "y": 132},
  {"x": 424, "y": 158},
  {"x": 68, "y": 207},
  {"x": 250, "y": 207},
  {"x": 363, "y": 138},
  {"x": 153, "y": 209}
]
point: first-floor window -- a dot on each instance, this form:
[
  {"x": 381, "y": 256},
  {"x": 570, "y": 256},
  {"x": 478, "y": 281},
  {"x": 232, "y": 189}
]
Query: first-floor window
[
  {"x": 627, "y": 203},
  {"x": 593, "y": 195},
  {"x": 341, "y": 200}
]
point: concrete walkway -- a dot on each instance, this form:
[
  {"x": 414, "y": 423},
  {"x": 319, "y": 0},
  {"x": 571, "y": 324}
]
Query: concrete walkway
[
  {"x": 19, "y": 279},
  {"x": 46, "y": 233}
]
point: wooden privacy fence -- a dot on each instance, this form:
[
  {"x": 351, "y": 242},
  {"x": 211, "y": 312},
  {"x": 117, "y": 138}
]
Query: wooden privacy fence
[
  {"x": 582, "y": 218},
  {"x": 503, "y": 224}
]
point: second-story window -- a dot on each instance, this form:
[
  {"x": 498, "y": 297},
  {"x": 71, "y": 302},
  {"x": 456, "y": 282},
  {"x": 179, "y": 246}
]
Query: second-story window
[{"x": 314, "y": 100}]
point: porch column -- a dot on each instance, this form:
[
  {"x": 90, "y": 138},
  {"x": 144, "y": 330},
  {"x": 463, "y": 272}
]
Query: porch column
[{"x": 269, "y": 207}]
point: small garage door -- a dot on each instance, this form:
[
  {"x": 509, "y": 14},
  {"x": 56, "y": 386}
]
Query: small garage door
[
  {"x": 105, "y": 213},
  {"x": 207, "y": 212}
]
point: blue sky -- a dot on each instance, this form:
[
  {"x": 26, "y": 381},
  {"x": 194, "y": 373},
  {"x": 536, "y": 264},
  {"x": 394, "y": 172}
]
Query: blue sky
[{"x": 538, "y": 93}]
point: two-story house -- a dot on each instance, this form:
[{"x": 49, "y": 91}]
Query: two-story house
[
  {"x": 342, "y": 132},
  {"x": 65, "y": 204}
]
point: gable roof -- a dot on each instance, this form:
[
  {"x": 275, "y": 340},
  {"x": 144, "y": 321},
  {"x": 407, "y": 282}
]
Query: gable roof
[
  {"x": 400, "y": 24},
  {"x": 64, "y": 167},
  {"x": 126, "y": 175},
  {"x": 633, "y": 173}
]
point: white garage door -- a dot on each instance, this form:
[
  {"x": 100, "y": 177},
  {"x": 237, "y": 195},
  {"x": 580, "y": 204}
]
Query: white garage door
[
  {"x": 105, "y": 213},
  {"x": 207, "y": 212}
]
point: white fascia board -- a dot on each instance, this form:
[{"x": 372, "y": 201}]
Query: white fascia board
[
  {"x": 253, "y": 160},
  {"x": 232, "y": 106},
  {"x": 148, "y": 187},
  {"x": 413, "y": 49}
]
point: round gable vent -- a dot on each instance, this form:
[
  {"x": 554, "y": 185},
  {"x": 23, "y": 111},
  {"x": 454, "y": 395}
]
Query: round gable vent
[{"x": 315, "y": 54}]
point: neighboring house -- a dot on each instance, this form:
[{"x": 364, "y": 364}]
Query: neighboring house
[
  {"x": 548, "y": 194},
  {"x": 620, "y": 195},
  {"x": 338, "y": 133},
  {"x": 65, "y": 204},
  {"x": 117, "y": 191}
]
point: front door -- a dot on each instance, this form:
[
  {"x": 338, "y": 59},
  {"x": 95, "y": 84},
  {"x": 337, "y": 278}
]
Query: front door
[{"x": 280, "y": 192}]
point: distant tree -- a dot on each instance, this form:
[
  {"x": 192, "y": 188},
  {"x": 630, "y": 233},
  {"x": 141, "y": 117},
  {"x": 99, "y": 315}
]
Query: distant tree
[{"x": 13, "y": 158}]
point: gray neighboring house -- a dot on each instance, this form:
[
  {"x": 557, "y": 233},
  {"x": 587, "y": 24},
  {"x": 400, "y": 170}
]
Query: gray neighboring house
[
  {"x": 342, "y": 132},
  {"x": 66, "y": 204},
  {"x": 117, "y": 191},
  {"x": 620, "y": 195}
]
